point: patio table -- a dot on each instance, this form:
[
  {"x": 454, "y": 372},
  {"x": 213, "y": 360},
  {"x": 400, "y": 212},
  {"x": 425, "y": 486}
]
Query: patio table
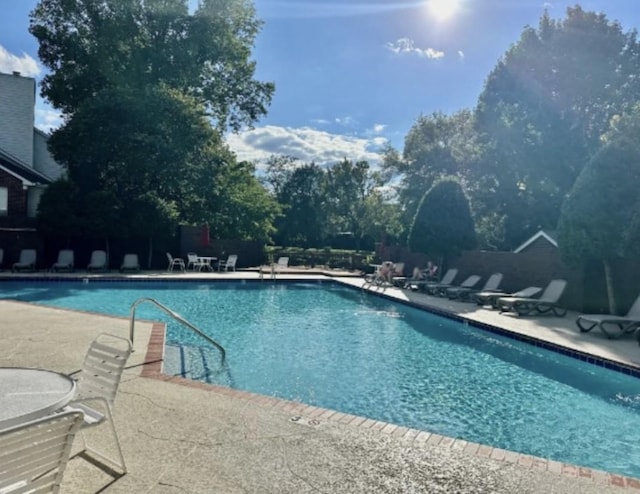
[
  {"x": 27, "y": 394},
  {"x": 206, "y": 262}
]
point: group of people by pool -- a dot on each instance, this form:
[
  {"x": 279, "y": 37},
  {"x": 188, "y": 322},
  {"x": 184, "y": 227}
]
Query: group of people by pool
[{"x": 388, "y": 270}]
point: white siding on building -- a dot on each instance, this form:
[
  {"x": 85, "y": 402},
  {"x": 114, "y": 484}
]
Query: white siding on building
[
  {"x": 17, "y": 114},
  {"x": 42, "y": 159}
]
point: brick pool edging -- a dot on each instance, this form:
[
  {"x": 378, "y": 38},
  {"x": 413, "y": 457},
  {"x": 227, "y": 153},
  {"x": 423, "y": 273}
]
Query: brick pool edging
[{"x": 152, "y": 368}]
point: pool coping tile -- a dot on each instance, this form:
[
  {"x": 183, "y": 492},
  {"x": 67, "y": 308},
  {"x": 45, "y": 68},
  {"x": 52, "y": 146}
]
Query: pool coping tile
[{"x": 314, "y": 415}]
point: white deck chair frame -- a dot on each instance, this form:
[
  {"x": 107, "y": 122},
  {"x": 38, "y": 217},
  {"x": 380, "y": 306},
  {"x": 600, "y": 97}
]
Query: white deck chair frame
[
  {"x": 34, "y": 455},
  {"x": 175, "y": 262},
  {"x": 612, "y": 326},
  {"x": 230, "y": 263},
  {"x": 98, "y": 382}
]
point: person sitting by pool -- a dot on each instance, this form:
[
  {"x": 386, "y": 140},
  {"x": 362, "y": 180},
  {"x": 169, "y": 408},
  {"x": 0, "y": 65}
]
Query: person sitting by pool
[{"x": 431, "y": 273}]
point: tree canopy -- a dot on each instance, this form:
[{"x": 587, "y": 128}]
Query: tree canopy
[
  {"x": 599, "y": 215},
  {"x": 146, "y": 90},
  {"x": 90, "y": 47},
  {"x": 443, "y": 225}
]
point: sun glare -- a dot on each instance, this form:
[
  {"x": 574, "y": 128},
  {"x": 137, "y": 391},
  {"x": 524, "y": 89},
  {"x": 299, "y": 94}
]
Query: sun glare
[{"x": 443, "y": 9}]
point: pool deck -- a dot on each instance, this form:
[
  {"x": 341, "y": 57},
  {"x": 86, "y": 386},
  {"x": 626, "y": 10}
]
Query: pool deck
[{"x": 180, "y": 436}]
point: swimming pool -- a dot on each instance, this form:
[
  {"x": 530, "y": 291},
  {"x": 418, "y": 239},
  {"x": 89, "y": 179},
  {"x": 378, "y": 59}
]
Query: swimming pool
[{"x": 339, "y": 348}]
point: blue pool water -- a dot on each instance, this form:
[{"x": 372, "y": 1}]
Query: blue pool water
[{"x": 339, "y": 348}]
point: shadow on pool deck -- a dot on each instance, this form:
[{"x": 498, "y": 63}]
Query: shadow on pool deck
[{"x": 180, "y": 436}]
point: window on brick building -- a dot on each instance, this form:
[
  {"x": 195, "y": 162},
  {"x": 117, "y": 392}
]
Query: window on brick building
[{"x": 4, "y": 201}]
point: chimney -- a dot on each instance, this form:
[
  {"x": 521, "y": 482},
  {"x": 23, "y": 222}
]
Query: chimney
[{"x": 16, "y": 73}]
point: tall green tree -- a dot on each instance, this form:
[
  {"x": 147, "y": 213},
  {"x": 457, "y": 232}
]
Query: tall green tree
[
  {"x": 354, "y": 203},
  {"x": 598, "y": 220},
  {"x": 437, "y": 145},
  {"x": 146, "y": 90},
  {"x": 542, "y": 112},
  {"x": 303, "y": 222},
  {"x": 92, "y": 46},
  {"x": 443, "y": 225}
]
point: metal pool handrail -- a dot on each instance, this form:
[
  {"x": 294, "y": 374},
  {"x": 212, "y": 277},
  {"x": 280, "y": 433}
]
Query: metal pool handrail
[{"x": 177, "y": 317}]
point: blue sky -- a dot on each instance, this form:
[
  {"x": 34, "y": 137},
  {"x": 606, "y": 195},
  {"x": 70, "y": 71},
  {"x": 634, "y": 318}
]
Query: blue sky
[{"x": 352, "y": 76}]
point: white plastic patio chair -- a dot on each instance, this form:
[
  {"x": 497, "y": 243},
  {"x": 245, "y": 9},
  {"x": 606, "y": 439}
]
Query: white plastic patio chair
[
  {"x": 98, "y": 382},
  {"x": 175, "y": 262},
  {"x": 34, "y": 455},
  {"x": 98, "y": 261},
  {"x": 27, "y": 261},
  {"x": 230, "y": 263},
  {"x": 65, "y": 261},
  {"x": 130, "y": 263}
]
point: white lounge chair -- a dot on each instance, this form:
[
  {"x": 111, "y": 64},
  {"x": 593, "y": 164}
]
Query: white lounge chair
[
  {"x": 229, "y": 264},
  {"x": 465, "y": 293},
  {"x": 612, "y": 326},
  {"x": 175, "y": 262},
  {"x": 130, "y": 263},
  {"x": 65, "y": 261},
  {"x": 491, "y": 297},
  {"x": 34, "y": 455},
  {"x": 440, "y": 289},
  {"x": 98, "y": 383},
  {"x": 27, "y": 261},
  {"x": 426, "y": 285},
  {"x": 98, "y": 261},
  {"x": 548, "y": 301}
]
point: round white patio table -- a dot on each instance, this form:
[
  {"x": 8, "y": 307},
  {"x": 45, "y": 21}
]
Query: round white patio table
[{"x": 27, "y": 394}]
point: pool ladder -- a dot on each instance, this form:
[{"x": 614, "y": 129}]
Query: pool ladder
[{"x": 177, "y": 317}]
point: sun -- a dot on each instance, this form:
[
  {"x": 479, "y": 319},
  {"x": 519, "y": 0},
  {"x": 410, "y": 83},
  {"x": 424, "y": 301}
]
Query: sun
[{"x": 443, "y": 9}]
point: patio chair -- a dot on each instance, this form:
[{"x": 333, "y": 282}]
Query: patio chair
[
  {"x": 98, "y": 261},
  {"x": 612, "y": 326},
  {"x": 130, "y": 263},
  {"x": 282, "y": 263},
  {"x": 440, "y": 289},
  {"x": 64, "y": 262},
  {"x": 230, "y": 263},
  {"x": 491, "y": 297},
  {"x": 464, "y": 293},
  {"x": 194, "y": 262},
  {"x": 34, "y": 455},
  {"x": 175, "y": 262},
  {"x": 547, "y": 303},
  {"x": 425, "y": 285},
  {"x": 98, "y": 383},
  {"x": 27, "y": 261}
]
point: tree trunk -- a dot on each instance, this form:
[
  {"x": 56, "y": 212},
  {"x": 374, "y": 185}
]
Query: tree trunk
[{"x": 608, "y": 276}]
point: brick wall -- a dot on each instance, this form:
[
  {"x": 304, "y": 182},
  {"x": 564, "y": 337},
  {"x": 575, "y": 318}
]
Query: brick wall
[{"x": 17, "y": 198}]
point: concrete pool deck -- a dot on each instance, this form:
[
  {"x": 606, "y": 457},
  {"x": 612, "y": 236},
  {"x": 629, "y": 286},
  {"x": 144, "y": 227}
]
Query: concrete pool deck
[{"x": 181, "y": 436}]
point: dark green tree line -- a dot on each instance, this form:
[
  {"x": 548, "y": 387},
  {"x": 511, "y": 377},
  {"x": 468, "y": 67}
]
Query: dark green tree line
[{"x": 146, "y": 90}]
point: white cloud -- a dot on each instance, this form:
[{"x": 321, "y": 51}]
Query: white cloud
[
  {"x": 47, "y": 119},
  {"x": 377, "y": 128},
  {"x": 461, "y": 54},
  {"x": 406, "y": 45},
  {"x": 305, "y": 144},
  {"x": 26, "y": 65}
]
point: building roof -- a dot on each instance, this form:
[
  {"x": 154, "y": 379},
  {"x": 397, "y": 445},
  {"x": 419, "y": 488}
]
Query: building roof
[
  {"x": 540, "y": 234},
  {"x": 21, "y": 171}
]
